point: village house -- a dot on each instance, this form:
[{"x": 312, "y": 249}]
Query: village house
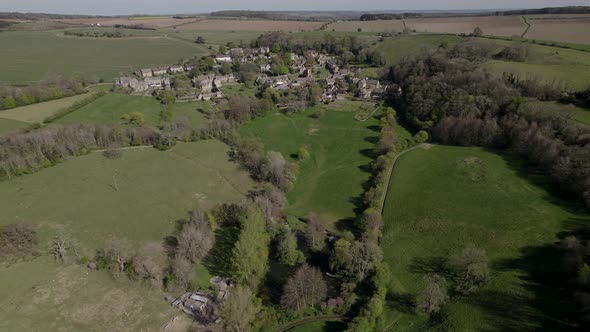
[
  {"x": 175, "y": 69},
  {"x": 236, "y": 53},
  {"x": 147, "y": 72},
  {"x": 158, "y": 82},
  {"x": 368, "y": 88},
  {"x": 265, "y": 67},
  {"x": 220, "y": 80},
  {"x": 263, "y": 50},
  {"x": 204, "y": 82},
  {"x": 332, "y": 67},
  {"x": 133, "y": 83},
  {"x": 222, "y": 58},
  {"x": 160, "y": 71}
]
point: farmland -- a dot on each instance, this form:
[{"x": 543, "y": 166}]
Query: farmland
[
  {"x": 340, "y": 148},
  {"x": 491, "y": 25},
  {"x": 94, "y": 57},
  {"x": 250, "y": 25},
  {"x": 572, "y": 29},
  {"x": 36, "y": 113},
  {"x": 440, "y": 201}
]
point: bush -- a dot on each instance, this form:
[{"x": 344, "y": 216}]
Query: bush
[
  {"x": 17, "y": 239},
  {"x": 303, "y": 153},
  {"x": 112, "y": 153},
  {"x": 421, "y": 136}
]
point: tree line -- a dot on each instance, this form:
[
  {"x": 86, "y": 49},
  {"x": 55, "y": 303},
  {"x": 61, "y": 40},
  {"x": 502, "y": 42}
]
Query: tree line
[{"x": 448, "y": 94}]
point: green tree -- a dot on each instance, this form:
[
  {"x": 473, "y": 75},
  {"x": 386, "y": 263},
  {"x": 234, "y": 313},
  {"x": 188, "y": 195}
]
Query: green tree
[
  {"x": 200, "y": 40},
  {"x": 250, "y": 253},
  {"x": 275, "y": 48},
  {"x": 287, "y": 251},
  {"x": 421, "y": 136},
  {"x": 8, "y": 102},
  {"x": 239, "y": 309}
]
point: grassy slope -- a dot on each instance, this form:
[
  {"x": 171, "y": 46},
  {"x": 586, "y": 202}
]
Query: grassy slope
[
  {"x": 139, "y": 196},
  {"x": 39, "y": 112},
  {"x": 110, "y": 109},
  {"x": 41, "y": 295},
  {"x": 332, "y": 179},
  {"x": 104, "y": 58},
  {"x": 435, "y": 208},
  {"x": 396, "y": 48},
  {"x": 568, "y": 111},
  {"x": 7, "y": 125}
]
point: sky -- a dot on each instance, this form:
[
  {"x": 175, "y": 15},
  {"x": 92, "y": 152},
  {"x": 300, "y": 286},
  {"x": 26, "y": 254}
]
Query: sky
[{"x": 127, "y": 7}]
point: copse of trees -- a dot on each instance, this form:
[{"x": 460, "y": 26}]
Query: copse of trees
[
  {"x": 26, "y": 152},
  {"x": 50, "y": 89}
]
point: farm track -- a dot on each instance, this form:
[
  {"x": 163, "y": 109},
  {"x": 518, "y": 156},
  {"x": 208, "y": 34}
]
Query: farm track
[
  {"x": 528, "y": 26},
  {"x": 311, "y": 320}
]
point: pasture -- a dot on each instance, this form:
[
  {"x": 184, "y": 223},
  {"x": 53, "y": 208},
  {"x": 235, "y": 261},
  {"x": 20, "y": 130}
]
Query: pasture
[
  {"x": 367, "y": 26},
  {"x": 147, "y": 21},
  {"x": 112, "y": 107},
  {"x": 95, "y": 57},
  {"x": 491, "y": 25},
  {"x": 394, "y": 49},
  {"x": 139, "y": 196},
  {"x": 250, "y": 25},
  {"x": 42, "y": 295},
  {"x": 8, "y": 125},
  {"x": 441, "y": 200},
  {"x": 36, "y": 113},
  {"x": 331, "y": 181}
]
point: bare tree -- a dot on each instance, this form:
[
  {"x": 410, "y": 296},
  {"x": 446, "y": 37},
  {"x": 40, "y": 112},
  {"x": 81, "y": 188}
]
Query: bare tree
[
  {"x": 62, "y": 246},
  {"x": 118, "y": 252},
  {"x": 315, "y": 233},
  {"x": 239, "y": 309},
  {"x": 430, "y": 299},
  {"x": 183, "y": 270},
  {"x": 472, "y": 266},
  {"x": 304, "y": 289},
  {"x": 149, "y": 263},
  {"x": 195, "y": 238},
  {"x": 364, "y": 256}
]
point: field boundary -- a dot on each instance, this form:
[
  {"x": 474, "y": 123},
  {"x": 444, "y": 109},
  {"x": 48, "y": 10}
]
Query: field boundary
[
  {"x": 302, "y": 321},
  {"x": 388, "y": 178},
  {"x": 528, "y": 26}
]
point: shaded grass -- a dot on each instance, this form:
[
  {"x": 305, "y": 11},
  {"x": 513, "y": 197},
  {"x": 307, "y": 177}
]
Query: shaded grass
[
  {"x": 436, "y": 207},
  {"x": 332, "y": 181},
  {"x": 7, "y": 125}
]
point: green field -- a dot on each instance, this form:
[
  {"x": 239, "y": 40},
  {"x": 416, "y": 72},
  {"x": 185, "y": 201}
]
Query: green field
[
  {"x": 7, "y": 125},
  {"x": 394, "y": 49},
  {"x": 442, "y": 199},
  {"x": 212, "y": 38},
  {"x": 111, "y": 107},
  {"x": 330, "y": 183},
  {"x": 566, "y": 111},
  {"x": 36, "y": 113},
  {"x": 139, "y": 196},
  {"x": 98, "y": 57},
  {"x": 42, "y": 295}
]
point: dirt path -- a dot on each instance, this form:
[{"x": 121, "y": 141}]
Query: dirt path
[{"x": 310, "y": 320}]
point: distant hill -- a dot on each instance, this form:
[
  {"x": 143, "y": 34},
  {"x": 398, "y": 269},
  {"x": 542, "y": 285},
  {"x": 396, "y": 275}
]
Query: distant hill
[
  {"x": 550, "y": 10},
  {"x": 39, "y": 16}
]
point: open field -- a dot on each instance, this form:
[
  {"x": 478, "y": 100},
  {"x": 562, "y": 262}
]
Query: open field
[
  {"x": 98, "y": 57},
  {"x": 445, "y": 198},
  {"x": 213, "y": 37},
  {"x": 42, "y": 295},
  {"x": 112, "y": 107},
  {"x": 36, "y": 113},
  {"x": 491, "y": 25},
  {"x": 139, "y": 196},
  {"x": 148, "y": 22},
  {"x": 331, "y": 181},
  {"x": 250, "y": 25},
  {"x": 565, "y": 29},
  {"x": 396, "y": 48},
  {"x": 368, "y": 26}
]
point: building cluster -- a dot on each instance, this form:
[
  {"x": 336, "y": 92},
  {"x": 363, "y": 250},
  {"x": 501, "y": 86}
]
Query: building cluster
[
  {"x": 342, "y": 83},
  {"x": 203, "y": 306}
]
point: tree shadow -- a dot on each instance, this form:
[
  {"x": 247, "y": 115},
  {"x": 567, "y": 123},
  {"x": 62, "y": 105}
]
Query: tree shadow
[
  {"x": 374, "y": 128},
  {"x": 218, "y": 261},
  {"x": 369, "y": 153},
  {"x": 431, "y": 265},
  {"x": 372, "y": 139},
  {"x": 335, "y": 326},
  {"x": 402, "y": 302}
]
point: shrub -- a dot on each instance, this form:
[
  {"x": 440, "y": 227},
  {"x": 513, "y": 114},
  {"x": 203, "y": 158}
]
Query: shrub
[
  {"x": 421, "y": 136},
  {"x": 303, "y": 153},
  {"x": 17, "y": 239}
]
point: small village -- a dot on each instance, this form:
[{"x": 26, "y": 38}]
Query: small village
[{"x": 337, "y": 83}]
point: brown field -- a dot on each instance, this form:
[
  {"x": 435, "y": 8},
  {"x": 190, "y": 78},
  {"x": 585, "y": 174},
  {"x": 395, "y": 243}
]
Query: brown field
[
  {"x": 147, "y": 22},
  {"x": 491, "y": 25},
  {"x": 251, "y": 25},
  {"x": 368, "y": 26},
  {"x": 572, "y": 30}
]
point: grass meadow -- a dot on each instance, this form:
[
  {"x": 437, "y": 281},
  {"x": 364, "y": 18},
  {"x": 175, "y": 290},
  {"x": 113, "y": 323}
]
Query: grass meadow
[
  {"x": 36, "y": 113},
  {"x": 102, "y": 58},
  {"x": 445, "y": 198},
  {"x": 139, "y": 196},
  {"x": 8, "y": 125},
  {"x": 331, "y": 181},
  {"x": 111, "y": 107}
]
